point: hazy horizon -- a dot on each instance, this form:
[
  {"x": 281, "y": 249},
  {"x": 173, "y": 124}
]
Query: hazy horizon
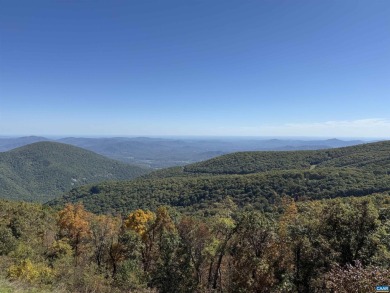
[{"x": 194, "y": 137}]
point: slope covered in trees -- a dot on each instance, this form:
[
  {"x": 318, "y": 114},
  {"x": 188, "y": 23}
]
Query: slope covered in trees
[
  {"x": 256, "y": 178},
  {"x": 335, "y": 245},
  {"x": 167, "y": 152},
  {"x": 258, "y": 190},
  {"x": 282, "y": 229},
  {"x": 44, "y": 170},
  {"x": 371, "y": 156}
]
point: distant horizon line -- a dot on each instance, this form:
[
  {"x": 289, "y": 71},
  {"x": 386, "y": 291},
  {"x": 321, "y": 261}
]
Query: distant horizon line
[{"x": 265, "y": 137}]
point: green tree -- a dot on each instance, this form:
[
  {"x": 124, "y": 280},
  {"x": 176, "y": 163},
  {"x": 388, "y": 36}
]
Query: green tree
[
  {"x": 7, "y": 241},
  {"x": 251, "y": 267}
]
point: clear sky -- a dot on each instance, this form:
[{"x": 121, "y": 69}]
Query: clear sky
[{"x": 195, "y": 67}]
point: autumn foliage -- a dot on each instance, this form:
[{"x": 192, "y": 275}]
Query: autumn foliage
[{"x": 317, "y": 246}]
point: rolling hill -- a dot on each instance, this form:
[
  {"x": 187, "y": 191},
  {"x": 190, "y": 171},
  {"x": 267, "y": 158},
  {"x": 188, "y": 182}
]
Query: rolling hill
[
  {"x": 370, "y": 156},
  {"x": 9, "y": 143},
  {"x": 250, "y": 178},
  {"x": 44, "y": 170},
  {"x": 167, "y": 152}
]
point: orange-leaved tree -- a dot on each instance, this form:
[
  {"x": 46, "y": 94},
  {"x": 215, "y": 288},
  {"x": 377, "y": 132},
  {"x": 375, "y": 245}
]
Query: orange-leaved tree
[{"x": 74, "y": 223}]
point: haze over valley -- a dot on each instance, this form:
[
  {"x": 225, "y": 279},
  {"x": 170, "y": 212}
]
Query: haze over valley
[
  {"x": 167, "y": 152},
  {"x": 195, "y": 146}
]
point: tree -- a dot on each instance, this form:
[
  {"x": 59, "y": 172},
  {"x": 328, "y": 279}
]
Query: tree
[
  {"x": 349, "y": 227},
  {"x": 162, "y": 243},
  {"x": 139, "y": 221},
  {"x": 356, "y": 278},
  {"x": 104, "y": 232},
  {"x": 74, "y": 224},
  {"x": 253, "y": 250},
  {"x": 7, "y": 241},
  {"x": 195, "y": 239},
  {"x": 224, "y": 229}
]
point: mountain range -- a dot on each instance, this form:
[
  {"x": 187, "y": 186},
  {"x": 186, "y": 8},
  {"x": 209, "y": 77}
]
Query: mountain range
[
  {"x": 167, "y": 152},
  {"x": 256, "y": 179}
]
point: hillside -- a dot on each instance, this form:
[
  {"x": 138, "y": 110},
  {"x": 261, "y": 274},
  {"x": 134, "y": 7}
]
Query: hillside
[
  {"x": 167, "y": 152},
  {"x": 252, "y": 178},
  {"x": 43, "y": 170},
  {"x": 370, "y": 156},
  {"x": 373, "y": 157}
]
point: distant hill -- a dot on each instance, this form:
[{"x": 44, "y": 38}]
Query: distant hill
[
  {"x": 369, "y": 156},
  {"x": 10, "y": 143},
  {"x": 373, "y": 156},
  {"x": 160, "y": 153},
  {"x": 165, "y": 152},
  {"x": 43, "y": 170},
  {"x": 251, "y": 178}
]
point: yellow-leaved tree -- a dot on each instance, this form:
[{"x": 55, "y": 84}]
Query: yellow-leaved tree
[{"x": 139, "y": 221}]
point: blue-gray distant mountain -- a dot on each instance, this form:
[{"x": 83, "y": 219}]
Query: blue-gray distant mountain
[
  {"x": 43, "y": 170},
  {"x": 9, "y": 143},
  {"x": 168, "y": 152},
  {"x": 162, "y": 152}
]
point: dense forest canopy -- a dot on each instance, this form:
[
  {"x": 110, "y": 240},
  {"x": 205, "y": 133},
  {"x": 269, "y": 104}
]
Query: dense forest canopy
[
  {"x": 254, "y": 179},
  {"x": 335, "y": 245},
  {"x": 372, "y": 156},
  {"x": 179, "y": 151},
  {"x": 41, "y": 171},
  {"x": 308, "y": 221},
  {"x": 194, "y": 146}
]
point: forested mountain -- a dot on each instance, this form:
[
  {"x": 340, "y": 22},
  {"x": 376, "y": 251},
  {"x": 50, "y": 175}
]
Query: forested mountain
[
  {"x": 43, "y": 170},
  {"x": 307, "y": 221},
  {"x": 255, "y": 179},
  {"x": 371, "y": 156},
  {"x": 167, "y": 152}
]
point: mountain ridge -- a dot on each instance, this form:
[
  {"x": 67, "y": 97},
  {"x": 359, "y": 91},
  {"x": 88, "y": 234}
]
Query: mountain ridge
[
  {"x": 354, "y": 171},
  {"x": 160, "y": 153},
  {"x": 43, "y": 170}
]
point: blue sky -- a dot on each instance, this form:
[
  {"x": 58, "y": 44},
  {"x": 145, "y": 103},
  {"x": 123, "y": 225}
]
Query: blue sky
[{"x": 250, "y": 68}]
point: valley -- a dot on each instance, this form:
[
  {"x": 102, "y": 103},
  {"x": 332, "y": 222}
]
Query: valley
[
  {"x": 308, "y": 221},
  {"x": 157, "y": 153},
  {"x": 256, "y": 179}
]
